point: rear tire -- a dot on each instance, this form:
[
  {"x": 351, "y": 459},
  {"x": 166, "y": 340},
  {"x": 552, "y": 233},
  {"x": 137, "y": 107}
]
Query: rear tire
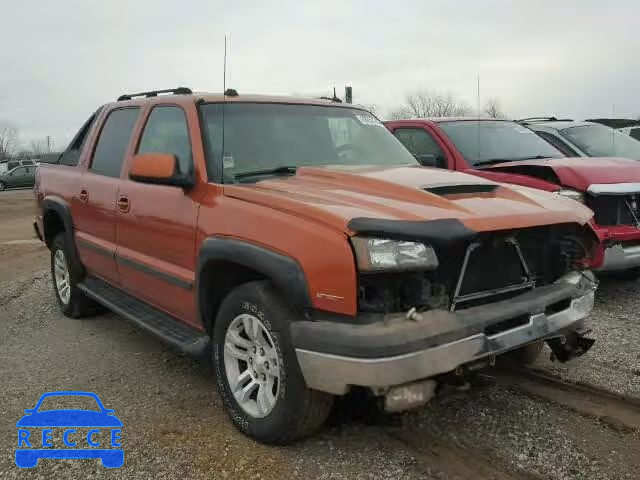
[
  {"x": 2, "y": 186},
  {"x": 525, "y": 355},
  {"x": 279, "y": 407},
  {"x": 72, "y": 301}
]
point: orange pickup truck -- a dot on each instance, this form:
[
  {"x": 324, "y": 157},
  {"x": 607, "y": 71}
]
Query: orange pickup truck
[{"x": 297, "y": 244}]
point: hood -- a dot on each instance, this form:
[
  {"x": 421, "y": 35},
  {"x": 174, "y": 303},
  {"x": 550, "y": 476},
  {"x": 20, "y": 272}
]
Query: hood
[
  {"x": 336, "y": 195},
  {"x": 576, "y": 173}
]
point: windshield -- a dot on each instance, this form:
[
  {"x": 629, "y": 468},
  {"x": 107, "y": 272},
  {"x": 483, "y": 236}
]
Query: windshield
[
  {"x": 262, "y": 137},
  {"x": 62, "y": 402},
  {"x": 486, "y": 141},
  {"x": 601, "y": 141}
]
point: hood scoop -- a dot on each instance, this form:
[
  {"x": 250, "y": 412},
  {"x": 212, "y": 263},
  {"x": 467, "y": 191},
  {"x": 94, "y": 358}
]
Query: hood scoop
[{"x": 461, "y": 188}]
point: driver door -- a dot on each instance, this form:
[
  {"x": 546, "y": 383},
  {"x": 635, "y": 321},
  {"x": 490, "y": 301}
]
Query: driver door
[{"x": 422, "y": 146}]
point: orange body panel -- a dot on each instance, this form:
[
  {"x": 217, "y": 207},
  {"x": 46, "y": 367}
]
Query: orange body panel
[{"x": 152, "y": 233}]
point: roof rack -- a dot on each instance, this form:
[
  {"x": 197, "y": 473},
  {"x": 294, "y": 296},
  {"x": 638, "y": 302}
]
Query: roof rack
[
  {"x": 154, "y": 93},
  {"x": 543, "y": 119}
]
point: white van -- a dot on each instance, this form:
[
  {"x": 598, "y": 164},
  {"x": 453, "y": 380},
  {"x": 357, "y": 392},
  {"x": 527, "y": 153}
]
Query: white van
[{"x": 7, "y": 165}]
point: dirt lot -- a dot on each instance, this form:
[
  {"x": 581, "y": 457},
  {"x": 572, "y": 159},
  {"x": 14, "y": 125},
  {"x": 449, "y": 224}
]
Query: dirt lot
[{"x": 174, "y": 424}]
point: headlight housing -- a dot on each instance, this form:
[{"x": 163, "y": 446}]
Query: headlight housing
[
  {"x": 382, "y": 254},
  {"x": 572, "y": 194}
]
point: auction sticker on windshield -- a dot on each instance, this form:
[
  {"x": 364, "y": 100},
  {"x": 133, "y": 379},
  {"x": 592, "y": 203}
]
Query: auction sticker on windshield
[{"x": 54, "y": 429}]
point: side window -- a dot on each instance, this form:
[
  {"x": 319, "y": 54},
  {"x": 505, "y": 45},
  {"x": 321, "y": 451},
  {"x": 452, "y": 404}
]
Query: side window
[
  {"x": 635, "y": 133},
  {"x": 12, "y": 165},
  {"x": 559, "y": 144},
  {"x": 18, "y": 172},
  {"x": 166, "y": 131},
  {"x": 113, "y": 141},
  {"x": 422, "y": 146},
  {"x": 72, "y": 154}
]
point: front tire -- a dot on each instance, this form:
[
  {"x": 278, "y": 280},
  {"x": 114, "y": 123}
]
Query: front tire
[
  {"x": 257, "y": 371},
  {"x": 71, "y": 300}
]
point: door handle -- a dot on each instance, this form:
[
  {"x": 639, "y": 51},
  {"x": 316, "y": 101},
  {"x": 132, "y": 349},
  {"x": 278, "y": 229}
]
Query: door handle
[
  {"x": 84, "y": 196},
  {"x": 123, "y": 203}
]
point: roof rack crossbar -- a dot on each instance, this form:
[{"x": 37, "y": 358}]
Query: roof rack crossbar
[{"x": 154, "y": 93}]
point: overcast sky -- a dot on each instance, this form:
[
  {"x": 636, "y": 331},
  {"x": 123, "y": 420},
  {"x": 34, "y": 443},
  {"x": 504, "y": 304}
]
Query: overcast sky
[{"x": 59, "y": 60}]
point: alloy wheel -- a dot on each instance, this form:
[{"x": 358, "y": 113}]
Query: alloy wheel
[
  {"x": 61, "y": 276},
  {"x": 252, "y": 365}
]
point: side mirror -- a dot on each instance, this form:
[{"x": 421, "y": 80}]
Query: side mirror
[{"x": 160, "y": 169}]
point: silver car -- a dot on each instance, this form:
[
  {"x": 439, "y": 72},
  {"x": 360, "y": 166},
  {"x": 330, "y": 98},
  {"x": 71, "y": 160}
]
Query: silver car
[{"x": 584, "y": 139}]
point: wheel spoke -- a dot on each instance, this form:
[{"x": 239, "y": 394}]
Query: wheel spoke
[
  {"x": 236, "y": 352},
  {"x": 262, "y": 400},
  {"x": 240, "y": 381},
  {"x": 251, "y": 327},
  {"x": 237, "y": 340},
  {"x": 245, "y": 393}
]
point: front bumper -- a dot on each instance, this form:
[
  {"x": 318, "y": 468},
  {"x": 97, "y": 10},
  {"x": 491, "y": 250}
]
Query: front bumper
[
  {"x": 334, "y": 356},
  {"x": 618, "y": 257}
]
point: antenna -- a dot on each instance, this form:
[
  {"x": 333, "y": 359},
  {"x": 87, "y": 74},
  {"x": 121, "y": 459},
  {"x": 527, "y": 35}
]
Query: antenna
[
  {"x": 224, "y": 100},
  {"x": 478, "y": 121},
  {"x": 224, "y": 68}
]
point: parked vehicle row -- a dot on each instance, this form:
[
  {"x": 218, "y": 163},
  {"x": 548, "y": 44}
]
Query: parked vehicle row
[
  {"x": 303, "y": 249},
  {"x": 23, "y": 176},
  {"x": 506, "y": 151}
]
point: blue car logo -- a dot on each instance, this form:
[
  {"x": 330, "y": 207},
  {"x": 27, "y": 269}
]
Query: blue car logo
[{"x": 85, "y": 432}]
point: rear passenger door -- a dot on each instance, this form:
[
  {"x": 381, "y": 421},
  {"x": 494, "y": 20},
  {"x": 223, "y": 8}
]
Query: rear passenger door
[
  {"x": 156, "y": 224},
  {"x": 93, "y": 202}
]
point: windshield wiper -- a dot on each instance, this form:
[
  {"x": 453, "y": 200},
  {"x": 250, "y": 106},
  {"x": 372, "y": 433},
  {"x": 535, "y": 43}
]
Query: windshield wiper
[
  {"x": 492, "y": 161},
  {"x": 284, "y": 170}
]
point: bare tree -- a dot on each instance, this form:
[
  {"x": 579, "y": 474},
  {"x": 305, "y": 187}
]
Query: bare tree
[
  {"x": 492, "y": 109},
  {"x": 424, "y": 103},
  {"x": 39, "y": 147},
  {"x": 371, "y": 107},
  {"x": 8, "y": 141}
]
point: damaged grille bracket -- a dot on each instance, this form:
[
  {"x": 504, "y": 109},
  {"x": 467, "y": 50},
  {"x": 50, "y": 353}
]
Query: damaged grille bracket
[{"x": 528, "y": 282}]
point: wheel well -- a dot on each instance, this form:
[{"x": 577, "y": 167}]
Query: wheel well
[
  {"x": 53, "y": 225},
  {"x": 217, "y": 279}
]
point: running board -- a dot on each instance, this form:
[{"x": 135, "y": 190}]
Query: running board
[{"x": 154, "y": 321}]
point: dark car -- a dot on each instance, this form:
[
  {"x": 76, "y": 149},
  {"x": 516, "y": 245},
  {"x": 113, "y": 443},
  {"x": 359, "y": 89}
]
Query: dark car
[
  {"x": 584, "y": 139},
  {"x": 23, "y": 176}
]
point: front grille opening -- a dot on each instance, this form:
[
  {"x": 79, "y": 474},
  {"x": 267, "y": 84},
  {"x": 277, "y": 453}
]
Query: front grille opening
[
  {"x": 557, "y": 306},
  {"x": 615, "y": 209},
  {"x": 477, "y": 302},
  {"x": 506, "y": 325}
]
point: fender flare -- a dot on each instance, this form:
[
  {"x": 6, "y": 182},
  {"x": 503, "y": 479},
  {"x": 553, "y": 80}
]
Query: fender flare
[
  {"x": 284, "y": 271},
  {"x": 62, "y": 208}
]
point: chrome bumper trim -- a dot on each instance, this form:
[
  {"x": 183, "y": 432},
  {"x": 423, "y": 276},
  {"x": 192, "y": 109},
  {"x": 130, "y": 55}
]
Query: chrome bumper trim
[
  {"x": 613, "y": 188},
  {"x": 617, "y": 257},
  {"x": 335, "y": 374}
]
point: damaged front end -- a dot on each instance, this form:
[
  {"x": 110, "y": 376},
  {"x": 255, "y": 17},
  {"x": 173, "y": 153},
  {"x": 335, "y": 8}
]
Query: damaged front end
[{"x": 433, "y": 300}]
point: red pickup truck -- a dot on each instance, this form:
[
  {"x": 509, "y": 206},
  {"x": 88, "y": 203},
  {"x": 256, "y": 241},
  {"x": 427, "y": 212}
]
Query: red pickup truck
[
  {"x": 299, "y": 246},
  {"x": 506, "y": 151}
]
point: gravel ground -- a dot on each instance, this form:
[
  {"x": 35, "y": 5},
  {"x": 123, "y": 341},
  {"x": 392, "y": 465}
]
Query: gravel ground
[
  {"x": 614, "y": 361},
  {"x": 175, "y": 426}
]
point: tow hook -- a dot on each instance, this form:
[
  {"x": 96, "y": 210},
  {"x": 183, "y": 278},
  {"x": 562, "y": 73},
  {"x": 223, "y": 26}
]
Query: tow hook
[{"x": 570, "y": 345}]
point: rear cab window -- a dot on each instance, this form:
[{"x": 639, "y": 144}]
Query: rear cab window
[
  {"x": 71, "y": 155},
  {"x": 113, "y": 141}
]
